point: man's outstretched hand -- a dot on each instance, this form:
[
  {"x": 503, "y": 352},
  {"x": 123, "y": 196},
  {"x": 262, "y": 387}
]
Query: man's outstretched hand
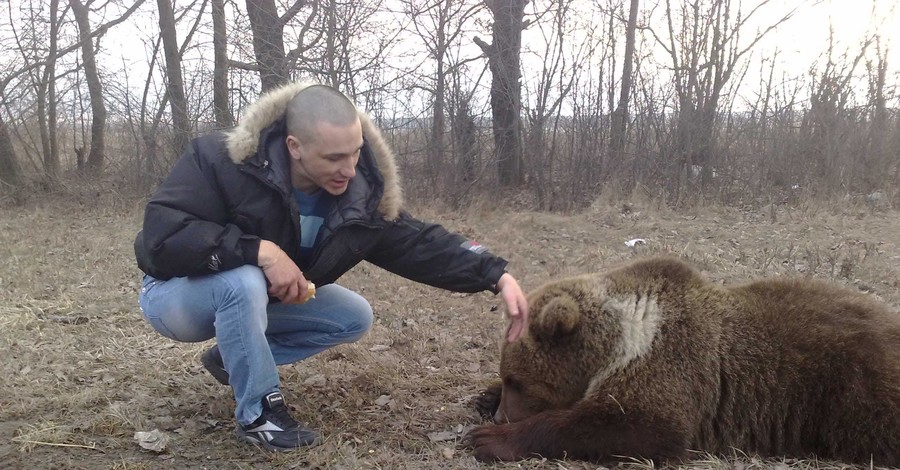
[{"x": 516, "y": 306}]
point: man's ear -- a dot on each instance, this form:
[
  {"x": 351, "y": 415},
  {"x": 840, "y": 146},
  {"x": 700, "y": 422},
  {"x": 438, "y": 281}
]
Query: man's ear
[{"x": 293, "y": 146}]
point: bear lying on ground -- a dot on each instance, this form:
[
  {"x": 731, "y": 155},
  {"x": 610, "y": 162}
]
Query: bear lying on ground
[{"x": 651, "y": 360}]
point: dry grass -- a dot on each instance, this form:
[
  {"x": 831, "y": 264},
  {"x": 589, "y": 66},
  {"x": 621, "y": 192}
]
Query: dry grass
[{"x": 83, "y": 372}]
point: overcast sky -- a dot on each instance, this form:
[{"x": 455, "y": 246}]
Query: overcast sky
[
  {"x": 852, "y": 20},
  {"x": 800, "y": 42}
]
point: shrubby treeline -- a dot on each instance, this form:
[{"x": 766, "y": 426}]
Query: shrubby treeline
[{"x": 552, "y": 101}]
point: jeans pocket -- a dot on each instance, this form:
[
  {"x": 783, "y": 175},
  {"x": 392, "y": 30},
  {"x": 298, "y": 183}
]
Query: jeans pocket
[{"x": 148, "y": 282}]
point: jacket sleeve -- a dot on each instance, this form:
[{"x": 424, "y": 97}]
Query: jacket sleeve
[
  {"x": 428, "y": 253},
  {"x": 186, "y": 230}
]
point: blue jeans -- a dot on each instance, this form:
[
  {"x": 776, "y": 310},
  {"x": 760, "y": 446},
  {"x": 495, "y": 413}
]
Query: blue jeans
[{"x": 253, "y": 335}]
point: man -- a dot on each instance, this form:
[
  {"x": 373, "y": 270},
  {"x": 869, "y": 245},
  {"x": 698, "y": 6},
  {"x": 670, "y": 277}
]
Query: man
[{"x": 303, "y": 189}]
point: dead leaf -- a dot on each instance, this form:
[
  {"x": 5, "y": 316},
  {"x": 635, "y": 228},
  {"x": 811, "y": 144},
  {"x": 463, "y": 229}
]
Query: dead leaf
[
  {"x": 441, "y": 436},
  {"x": 154, "y": 440},
  {"x": 317, "y": 380},
  {"x": 383, "y": 400}
]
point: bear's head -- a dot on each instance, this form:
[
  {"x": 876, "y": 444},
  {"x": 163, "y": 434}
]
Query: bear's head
[
  {"x": 567, "y": 339},
  {"x": 582, "y": 330}
]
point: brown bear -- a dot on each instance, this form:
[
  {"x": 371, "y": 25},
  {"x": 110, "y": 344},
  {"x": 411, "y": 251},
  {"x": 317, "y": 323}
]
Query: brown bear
[{"x": 651, "y": 360}]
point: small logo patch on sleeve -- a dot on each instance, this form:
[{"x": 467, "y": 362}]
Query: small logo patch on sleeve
[
  {"x": 214, "y": 263},
  {"x": 474, "y": 247}
]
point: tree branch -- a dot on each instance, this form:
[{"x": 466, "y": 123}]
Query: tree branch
[
  {"x": 293, "y": 10},
  {"x": 488, "y": 49},
  {"x": 96, "y": 33},
  {"x": 243, "y": 65}
]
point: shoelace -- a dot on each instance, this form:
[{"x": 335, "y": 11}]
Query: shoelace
[{"x": 282, "y": 418}]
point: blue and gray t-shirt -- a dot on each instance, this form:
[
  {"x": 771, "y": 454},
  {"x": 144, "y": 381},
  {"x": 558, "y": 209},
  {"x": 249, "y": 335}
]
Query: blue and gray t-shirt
[{"x": 313, "y": 210}]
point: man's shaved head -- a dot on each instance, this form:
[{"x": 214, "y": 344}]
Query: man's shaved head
[{"x": 318, "y": 104}]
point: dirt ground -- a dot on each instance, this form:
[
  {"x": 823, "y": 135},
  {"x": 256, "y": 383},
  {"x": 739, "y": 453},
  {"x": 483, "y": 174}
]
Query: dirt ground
[{"x": 82, "y": 372}]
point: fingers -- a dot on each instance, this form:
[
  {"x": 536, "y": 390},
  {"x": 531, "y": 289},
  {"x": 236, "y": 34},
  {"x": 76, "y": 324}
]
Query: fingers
[
  {"x": 296, "y": 293},
  {"x": 517, "y": 308},
  {"x": 293, "y": 293},
  {"x": 302, "y": 290},
  {"x": 514, "y": 331},
  {"x": 283, "y": 292},
  {"x": 286, "y": 281}
]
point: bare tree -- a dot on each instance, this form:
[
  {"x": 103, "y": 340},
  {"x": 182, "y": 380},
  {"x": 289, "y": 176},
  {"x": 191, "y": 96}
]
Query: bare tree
[
  {"x": 705, "y": 49},
  {"x": 620, "y": 116},
  {"x": 268, "y": 39},
  {"x": 36, "y": 42},
  {"x": 504, "y": 59},
  {"x": 95, "y": 160},
  {"x": 555, "y": 80},
  {"x": 879, "y": 156},
  {"x": 148, "y": 144},
  {"x": 51, "y": 157},
  {"x": 268, "y": 42},
  {"x": 830, "y": 120},
  {"x": 10, "y": 174},
  {"x": 353, "y": 47},
  {"x": 439, "y": 23},
  {"x": 174, "y": 80},
  {"x": 220, "y": 66},
  {"x": 149, "y": 126},
  {"x": 95, "y": 88}
]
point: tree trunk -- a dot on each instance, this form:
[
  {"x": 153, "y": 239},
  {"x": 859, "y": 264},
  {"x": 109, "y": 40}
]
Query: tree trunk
[
  {"x": 9, "y": 166},
  {"x": 45, "y": 98},
  {"x": 331, "y": 45},
  {"x": 51, "y": 88},
  {"x": 504, "y": 61},
  {"x": 436, "y": 145},
  {"x": 620, "y": 116},
  {"x": 220, "y": 66},
  {"x": 268, "y": 43},
  {"x": 96, "y": 156},
  {"x": 40, "y": 98},
  {"x": 174, "y": 82}
]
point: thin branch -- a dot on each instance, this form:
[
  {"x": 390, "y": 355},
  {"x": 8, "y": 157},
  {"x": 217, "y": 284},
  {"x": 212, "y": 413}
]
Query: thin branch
[
  {"x": 293, "y": 10},
  {"x": 235, "y": 64},
  {"x": 96, "y": 33}
]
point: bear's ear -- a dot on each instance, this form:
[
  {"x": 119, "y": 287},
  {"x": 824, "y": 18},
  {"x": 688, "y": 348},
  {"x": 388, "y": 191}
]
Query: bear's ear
[{"x": 557, "y": 319}]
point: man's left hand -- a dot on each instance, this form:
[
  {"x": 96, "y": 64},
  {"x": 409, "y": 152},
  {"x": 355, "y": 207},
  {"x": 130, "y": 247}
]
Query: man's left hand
[{"x": 516, "y": 306}]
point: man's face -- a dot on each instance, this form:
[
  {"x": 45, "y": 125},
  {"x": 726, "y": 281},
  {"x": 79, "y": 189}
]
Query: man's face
[{"x": 328, "y": 160}]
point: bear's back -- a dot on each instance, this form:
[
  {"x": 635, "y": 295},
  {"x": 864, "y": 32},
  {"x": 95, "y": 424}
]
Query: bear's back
[{"x": 808, "y": 366}]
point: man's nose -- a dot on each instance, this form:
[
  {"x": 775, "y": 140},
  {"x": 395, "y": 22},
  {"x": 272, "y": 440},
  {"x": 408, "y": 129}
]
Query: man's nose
[{"x": 348, "y": 171}]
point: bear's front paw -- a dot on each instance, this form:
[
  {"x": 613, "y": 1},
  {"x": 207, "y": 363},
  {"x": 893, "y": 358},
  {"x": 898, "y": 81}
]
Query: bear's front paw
[
  {"x": 491, "y": 442},
  {"x": 488, "y": 401}
]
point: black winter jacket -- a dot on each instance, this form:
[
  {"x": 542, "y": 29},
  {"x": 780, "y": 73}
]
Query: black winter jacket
[{"x": 226, "y": 193}]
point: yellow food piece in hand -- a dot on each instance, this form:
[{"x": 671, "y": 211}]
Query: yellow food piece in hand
[{"x": 310, "y": 292}]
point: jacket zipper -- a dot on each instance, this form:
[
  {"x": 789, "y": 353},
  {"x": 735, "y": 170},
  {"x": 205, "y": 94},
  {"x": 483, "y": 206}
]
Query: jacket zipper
[{"x": 295, "y": 220}]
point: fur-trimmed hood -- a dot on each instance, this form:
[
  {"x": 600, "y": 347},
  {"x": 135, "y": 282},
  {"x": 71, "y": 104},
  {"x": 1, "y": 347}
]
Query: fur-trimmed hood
[{"x": 242, "y": 141}]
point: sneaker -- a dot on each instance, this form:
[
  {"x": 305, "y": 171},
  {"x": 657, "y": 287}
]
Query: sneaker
[
  {"x": 212, "y": 361},
  {"x": 276, "y": 429}
]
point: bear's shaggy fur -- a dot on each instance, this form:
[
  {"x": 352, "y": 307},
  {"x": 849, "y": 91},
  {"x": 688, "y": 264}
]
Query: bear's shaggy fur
[{"x": 651, "y": 360}]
